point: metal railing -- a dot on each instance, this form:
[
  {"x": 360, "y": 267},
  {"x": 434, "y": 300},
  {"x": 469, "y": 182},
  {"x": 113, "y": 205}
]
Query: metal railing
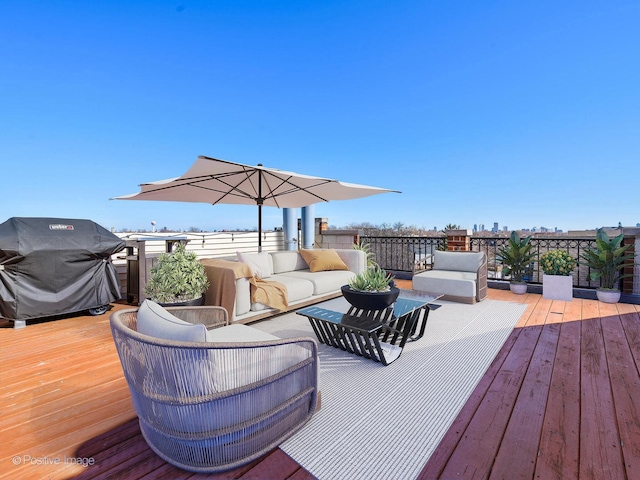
[
  {"x": 407, "y": 255},
  {"x": 540, "y": 245},
  {"x": 410, "y": 255}
]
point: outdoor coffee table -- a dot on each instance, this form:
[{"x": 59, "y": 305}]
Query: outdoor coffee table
[{"x": 379, "y": 335}]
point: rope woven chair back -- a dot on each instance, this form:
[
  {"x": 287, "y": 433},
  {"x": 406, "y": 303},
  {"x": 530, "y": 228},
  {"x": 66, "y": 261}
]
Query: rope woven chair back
[{"x": 208, "y": 407}]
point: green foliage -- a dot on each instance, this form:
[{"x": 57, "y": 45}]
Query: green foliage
[
  {"x": 607, "y": 259},
  {"x": 557, "y": 262},
  {"x": 177, "y": 277},
  {"x": 366, "y": 248},
  {"x": 516, "y": 257},
  {"x": 373, "y": 279}
]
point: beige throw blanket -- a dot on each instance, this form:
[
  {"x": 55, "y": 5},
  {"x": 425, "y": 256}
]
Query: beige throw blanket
[
  {"x": 269, "y": 292},
  {"x": 222, "y": 276}
]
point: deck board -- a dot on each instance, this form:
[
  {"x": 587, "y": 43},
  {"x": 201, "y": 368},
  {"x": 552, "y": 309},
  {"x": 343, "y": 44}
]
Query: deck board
[{"x": 560, "y": 400}]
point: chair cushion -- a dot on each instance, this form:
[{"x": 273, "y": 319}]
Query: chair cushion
[
  {"x": 323, "y": 260},
  {"x": 458, "y": 261},
  {"x": 238, "y": 333},
  {"x": 444, "y": 282},
  {"x": 155, "y": 321},
  {"x": 260, "y": 263}
]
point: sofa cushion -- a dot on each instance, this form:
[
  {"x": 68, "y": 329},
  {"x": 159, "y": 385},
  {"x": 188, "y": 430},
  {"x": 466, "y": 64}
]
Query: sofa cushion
[
  {"x": 297, "y": 289},
  {"x": 155, "y": 321},
  {"x": 323, "y": 282},
  {"x": 458, "y": 261},
  {"x": 287, "y": 261},
  {"x": 323, "y": 260},
  {"x": 260, "y": 263}
]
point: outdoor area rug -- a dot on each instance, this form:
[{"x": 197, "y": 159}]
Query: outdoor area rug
[{"x": 385, "y": 422}]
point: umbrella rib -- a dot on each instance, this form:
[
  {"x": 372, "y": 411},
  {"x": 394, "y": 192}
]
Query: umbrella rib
[
  {"x": 193, "y": 182},
  {"x": 294, "y": 188}
]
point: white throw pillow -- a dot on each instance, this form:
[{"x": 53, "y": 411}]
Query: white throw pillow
[
  {"x": 260, "y": 263},
  {"x": 155, "y": 321}
]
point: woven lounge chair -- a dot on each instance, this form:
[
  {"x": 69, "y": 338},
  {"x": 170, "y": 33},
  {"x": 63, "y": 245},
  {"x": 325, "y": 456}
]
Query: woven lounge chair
[{"x": 221, "y": 401}]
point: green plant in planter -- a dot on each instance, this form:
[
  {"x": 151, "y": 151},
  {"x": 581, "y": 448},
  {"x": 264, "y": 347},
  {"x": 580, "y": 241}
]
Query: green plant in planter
[
  {"x": 516, "y": 257},
  {"x": 607, "y": 259},
  {"x": 373, "y": 279},
  {"x": 366, "y": 248},
  {"x": 557, "y": 262},
  {"x": 177, "y": 277}
]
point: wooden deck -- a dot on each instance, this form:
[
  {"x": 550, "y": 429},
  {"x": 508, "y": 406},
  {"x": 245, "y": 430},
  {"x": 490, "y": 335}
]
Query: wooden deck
[{"x": 559, "y": 401}]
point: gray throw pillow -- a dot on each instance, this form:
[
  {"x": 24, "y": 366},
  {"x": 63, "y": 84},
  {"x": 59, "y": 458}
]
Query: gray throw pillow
[{"x": 155, "y": 321}]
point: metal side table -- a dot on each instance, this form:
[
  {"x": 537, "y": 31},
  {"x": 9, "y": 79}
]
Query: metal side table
[{"x": 379, "y": 335}]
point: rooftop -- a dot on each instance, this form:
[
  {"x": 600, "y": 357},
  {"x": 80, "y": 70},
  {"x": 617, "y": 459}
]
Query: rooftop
[{"x": 558, "y": 401}]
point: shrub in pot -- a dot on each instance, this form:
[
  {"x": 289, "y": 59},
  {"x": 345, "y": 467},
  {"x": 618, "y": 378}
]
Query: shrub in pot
[
  {"x": 177, "y": 278},
  {"x": 557, "y": 280},
  {"x": 372, "y": 289},
  {"x": 606, "y": 261},
  {"x": 516, "y": 257}
]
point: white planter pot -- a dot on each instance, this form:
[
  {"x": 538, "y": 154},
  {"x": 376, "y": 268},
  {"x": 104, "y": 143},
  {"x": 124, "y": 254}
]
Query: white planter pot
[
  {"x": 557, "y": 287},
  {"x": 608, "y": 296},
  {"x": 518, "y": 288}
]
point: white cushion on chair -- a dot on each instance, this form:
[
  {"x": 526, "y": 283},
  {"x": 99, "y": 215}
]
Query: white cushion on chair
[{"x": 155, "y": 321}]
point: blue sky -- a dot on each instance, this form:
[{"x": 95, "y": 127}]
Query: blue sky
[{"x": 522, "y": 113}]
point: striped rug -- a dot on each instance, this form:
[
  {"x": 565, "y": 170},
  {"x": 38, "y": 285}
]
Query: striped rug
[{"x": 381, "y": 422}]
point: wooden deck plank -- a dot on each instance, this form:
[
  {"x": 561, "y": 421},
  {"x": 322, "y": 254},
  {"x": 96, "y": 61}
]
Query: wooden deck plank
[
  {"x": 520, "y": 444},
  {"x": 475, "y": 453},
  {"x": 560, "y": 436},
  {"x": 600, "y": 450},
  {"x": 631, "y": 324},
  {"x": 625, "y": 385}
]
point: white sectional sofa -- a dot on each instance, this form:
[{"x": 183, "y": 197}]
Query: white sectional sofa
[
  {"x": 289, "y": 268},
  {"x": 457, "y": 276}
]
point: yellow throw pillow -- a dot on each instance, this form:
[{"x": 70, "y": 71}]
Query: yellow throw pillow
[{"x": 323, "y": 260}]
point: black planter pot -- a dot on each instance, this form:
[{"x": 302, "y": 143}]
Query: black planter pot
[
  {"x": 196, "y": 302},
  {"x": 370, "y": 300}
]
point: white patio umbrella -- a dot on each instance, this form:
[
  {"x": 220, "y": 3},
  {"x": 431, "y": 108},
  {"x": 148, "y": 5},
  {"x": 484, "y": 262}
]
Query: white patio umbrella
[{"x": 211, "y": 180}]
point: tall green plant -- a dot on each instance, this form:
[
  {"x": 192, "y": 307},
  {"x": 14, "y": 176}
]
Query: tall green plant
[
  {"x": 177, "y": 277},
  {"x": 607, "y": 259},
  {"x": 516, "y": 257},
  {"x": 366, "y": 248}
]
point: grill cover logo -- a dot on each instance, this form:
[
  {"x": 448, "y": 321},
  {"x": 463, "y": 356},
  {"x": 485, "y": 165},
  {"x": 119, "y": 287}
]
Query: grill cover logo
[{"x": 59, "y": 226}]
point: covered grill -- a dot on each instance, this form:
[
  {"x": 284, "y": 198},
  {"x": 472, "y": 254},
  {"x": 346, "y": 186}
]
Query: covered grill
[{"x": 55, "y": 266}]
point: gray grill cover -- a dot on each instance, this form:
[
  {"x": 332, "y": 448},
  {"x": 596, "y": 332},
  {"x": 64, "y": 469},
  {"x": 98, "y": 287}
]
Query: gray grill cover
[{"x": 53, "y": 266}]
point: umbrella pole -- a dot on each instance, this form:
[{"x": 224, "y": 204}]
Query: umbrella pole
[
  {"x": 260, "y": 201},
  {"x": 259, "y": 227}
]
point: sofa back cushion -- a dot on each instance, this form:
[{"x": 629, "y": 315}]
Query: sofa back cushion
[
  {"x": 287, "y": 261},
  {"x": 458, "y": 261},
  {"x": 259, "y": 263}
]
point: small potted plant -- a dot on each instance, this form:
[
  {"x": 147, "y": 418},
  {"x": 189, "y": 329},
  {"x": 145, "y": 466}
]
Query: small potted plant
[
  {"x": 177, "y": 278},
  {"x": 557, "y": 279},
  {"x": 606, "y": 261},
  {"x": 372, "y": 289},
  {"x": 517, "y": 257}
]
